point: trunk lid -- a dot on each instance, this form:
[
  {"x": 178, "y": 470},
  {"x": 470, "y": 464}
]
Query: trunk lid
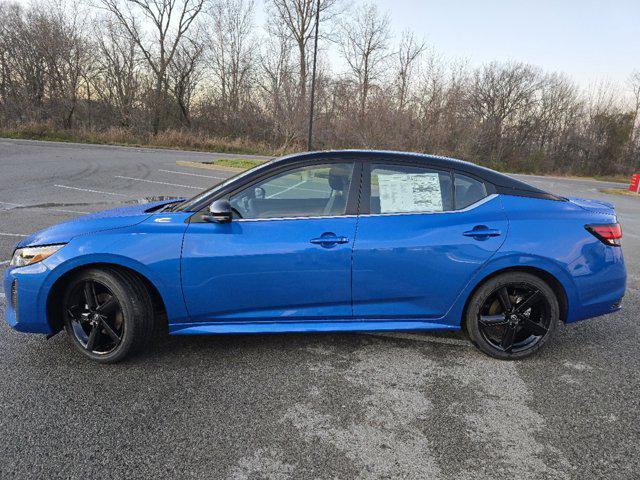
[{"x": 593, "y": 205}]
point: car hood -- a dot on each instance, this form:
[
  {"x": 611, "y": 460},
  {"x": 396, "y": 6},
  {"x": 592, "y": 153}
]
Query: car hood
[{"x": 91, "y": 223}]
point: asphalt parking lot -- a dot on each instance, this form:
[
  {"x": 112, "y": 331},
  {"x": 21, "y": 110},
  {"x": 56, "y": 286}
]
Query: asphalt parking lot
[{"x": 301, "y": 406}]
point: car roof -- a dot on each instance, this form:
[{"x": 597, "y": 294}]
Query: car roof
[{"x": 502, "y": 182}]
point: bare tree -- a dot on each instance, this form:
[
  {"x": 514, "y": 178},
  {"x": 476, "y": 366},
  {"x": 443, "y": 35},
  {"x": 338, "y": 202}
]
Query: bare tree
[
  {"x": 278, "y": 87},
  {"x": 501, "y": 96},
  {"x": 232, "y": 49},
  {"x": 408, "y": 56},
  {"x": 119, "y": 78},
  {"x": 184, "y": 75},
  {"x": 364, "y": 42},
  {"x": 634, "y": 83},
  {"x": 67, "y": 56},
  {"x": 170, "y": 22},
  {"x": 147, "y": 66},
  {"x": 297, "y": 17}
]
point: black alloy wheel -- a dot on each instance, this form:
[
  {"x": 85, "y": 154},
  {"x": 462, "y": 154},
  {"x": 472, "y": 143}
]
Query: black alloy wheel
[
  {"x": 108, "y": 313},
  {"x": 512, "y": 316},
  {"x": 96, "y": 317}
]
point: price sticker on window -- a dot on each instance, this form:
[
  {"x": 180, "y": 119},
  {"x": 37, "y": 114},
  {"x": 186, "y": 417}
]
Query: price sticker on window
[{"x": 409, "y": 192}]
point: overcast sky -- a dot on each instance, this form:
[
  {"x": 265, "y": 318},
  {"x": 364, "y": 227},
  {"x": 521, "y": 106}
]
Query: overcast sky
[{"x": 590, "y": 40}]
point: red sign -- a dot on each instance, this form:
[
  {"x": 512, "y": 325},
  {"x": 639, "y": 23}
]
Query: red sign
[{"x": 634, "y": 185}]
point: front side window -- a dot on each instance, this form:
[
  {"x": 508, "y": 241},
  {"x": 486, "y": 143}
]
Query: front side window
[
  {"x": 468, "y": 191},
  {"x": 409, "y": 189},
  {"x": 311, "y": 191}
]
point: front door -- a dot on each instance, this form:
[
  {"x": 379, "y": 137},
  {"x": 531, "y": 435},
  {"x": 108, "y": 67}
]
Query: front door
[
  {"x": 416, "y": 246},
  {"x": 286, "y": 257}
]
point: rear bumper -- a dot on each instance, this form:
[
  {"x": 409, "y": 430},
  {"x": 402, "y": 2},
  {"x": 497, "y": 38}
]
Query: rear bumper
[
  {"x": 601, "y": 286},
  {"x": 24, "y": 310}
]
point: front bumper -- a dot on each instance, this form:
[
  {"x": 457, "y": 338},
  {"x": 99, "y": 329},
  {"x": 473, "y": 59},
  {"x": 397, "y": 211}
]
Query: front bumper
[{"x": 25, "y": 310}]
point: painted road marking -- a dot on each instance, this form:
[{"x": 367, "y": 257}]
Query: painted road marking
[
  {"x": 423, "y": 338},
  {"x": 92, "y": 191},
  {"x": 44, "y": 208},
  {"x": 286, "y": 189},
  {"x": 193, "y": 174},
  {"x": 65, "y": 211},
  {"x": 161, "y": 183},
  {"x": 5, "y": 262},
  {"x": 13, "y": 234}
]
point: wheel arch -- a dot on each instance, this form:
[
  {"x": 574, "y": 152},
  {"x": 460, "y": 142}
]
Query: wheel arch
[
  {"x": 551, "y": 280},
  {"x": 56, "y": 292}
]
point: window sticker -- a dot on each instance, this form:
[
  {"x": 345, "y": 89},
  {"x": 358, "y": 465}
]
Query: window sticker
[{"x": 409, "y": 192}]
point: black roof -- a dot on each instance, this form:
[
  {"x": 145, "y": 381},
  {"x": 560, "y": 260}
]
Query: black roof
[
  {"x": 498, "y": 182},
  {"x": 503, "y": 183}
]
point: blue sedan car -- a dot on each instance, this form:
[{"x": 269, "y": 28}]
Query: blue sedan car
[{"x": 326, "y": 241}]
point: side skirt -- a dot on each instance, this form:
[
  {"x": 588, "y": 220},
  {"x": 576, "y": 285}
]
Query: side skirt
[{"x": 293, "y": 327}]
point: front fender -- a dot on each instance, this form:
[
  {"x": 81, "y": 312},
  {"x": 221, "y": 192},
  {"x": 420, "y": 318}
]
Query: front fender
[
  {"x": 170, "y": 292},
  {"x": 152, "y": 249}
]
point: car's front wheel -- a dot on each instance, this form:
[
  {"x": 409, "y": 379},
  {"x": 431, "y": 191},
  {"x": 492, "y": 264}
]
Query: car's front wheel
[
  {"x": 108, "y": 314},
  {"x": 512, "y": 315}
]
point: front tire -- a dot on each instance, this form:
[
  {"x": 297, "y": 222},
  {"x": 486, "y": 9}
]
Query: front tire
[
  {"x": 108, "y": 314},
  {"x": 512, "y": 315}
]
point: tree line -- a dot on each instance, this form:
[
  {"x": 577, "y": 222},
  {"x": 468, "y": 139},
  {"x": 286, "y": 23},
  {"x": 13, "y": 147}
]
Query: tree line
[{"x": 203, "y": 68}]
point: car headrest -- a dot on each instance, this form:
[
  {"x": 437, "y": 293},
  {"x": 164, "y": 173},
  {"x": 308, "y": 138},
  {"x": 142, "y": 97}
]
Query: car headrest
[{"x": 338, "y": 178}]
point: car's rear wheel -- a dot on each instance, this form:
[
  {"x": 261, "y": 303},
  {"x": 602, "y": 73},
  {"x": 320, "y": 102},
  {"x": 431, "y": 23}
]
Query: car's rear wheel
[
  {"x": 512, "y": 315},
  {"x": 108, "y": 314}
]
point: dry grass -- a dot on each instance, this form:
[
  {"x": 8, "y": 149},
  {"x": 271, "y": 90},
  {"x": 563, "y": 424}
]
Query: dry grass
[
  {"x": 619, "y": 191},
  {"x": 239, "y": 163},
  {"x": 172, "y": 139}
]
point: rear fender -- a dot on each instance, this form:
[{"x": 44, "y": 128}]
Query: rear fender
[{"x": 516, "y": 262}]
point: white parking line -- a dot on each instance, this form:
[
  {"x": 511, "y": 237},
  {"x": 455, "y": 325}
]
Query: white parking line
[
  {"x": 13, "y": 234},
  {"x": 79, "y": 212},
  {"x": 46, "y": 208},
  {"x": 192, "y": 174},
  {"x": 92, "y": 191},
  {"x": 286, "y": 189},
  {"x": 5, "y": 262},
  {"x": 161, "y": 183}
]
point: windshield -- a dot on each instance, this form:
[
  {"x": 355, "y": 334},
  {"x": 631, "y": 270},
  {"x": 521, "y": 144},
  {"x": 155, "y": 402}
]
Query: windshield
[{"x": 188, "y": 204}]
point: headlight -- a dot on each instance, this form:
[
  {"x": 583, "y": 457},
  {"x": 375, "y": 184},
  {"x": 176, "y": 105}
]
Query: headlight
[{"x": 29, "y": 255}]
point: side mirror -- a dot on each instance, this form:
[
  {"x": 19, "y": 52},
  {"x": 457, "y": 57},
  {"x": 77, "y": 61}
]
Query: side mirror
[{"x": 219, "y": 212}]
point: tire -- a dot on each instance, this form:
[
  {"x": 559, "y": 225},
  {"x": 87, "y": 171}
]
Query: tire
[
  {"x": 489, "y": 320},
  {"x": 108, "y": 314}
]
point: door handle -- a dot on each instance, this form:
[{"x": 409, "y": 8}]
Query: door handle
[
  {"x": 329, "y": 239},
  {"x": 481, "y": 232}
]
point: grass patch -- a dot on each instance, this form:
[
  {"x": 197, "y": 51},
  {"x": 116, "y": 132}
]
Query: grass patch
[
  {"x": 241, "y": 163},
  {"x": 619, "y": 191},
  {"x": 119, "y": 136}
]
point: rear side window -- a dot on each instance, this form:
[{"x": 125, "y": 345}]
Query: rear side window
[
  {"x": 468, "y": 191},
  {"x": 408, "y": 189}
]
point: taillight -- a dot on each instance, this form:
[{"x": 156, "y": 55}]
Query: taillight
[{"x": 610, "y": 233}]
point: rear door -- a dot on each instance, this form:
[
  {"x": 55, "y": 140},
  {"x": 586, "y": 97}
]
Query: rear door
[
  {"x": 422, "y": 234},
  {"x": 287, "y": 255}
]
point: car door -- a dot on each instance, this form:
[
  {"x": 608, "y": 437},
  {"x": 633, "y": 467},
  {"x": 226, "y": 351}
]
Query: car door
[
  {"x": 287, "y": 255},
  {"x": 418, "y": 242}
]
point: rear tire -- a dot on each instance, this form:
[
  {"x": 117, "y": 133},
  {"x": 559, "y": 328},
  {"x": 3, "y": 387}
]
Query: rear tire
[
  {"x": 512, "y": 315},
  {"x": 108, "y": 314}
]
